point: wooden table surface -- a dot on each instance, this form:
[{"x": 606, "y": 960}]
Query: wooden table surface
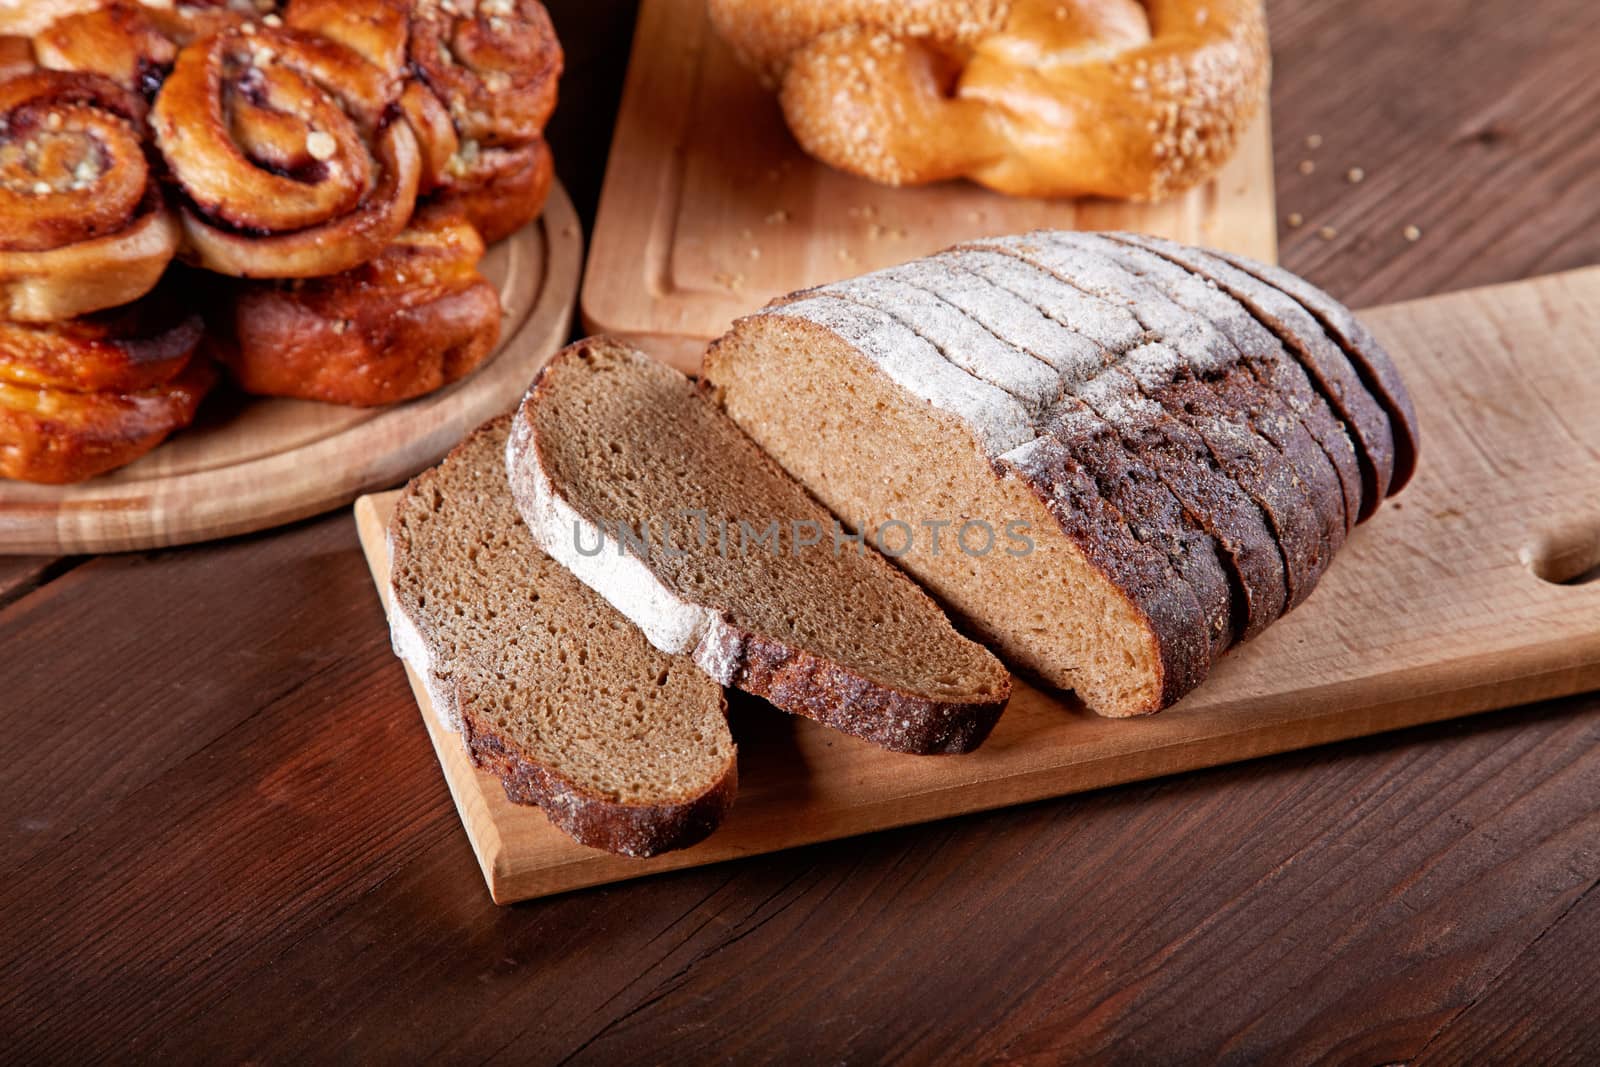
[{"x": 225, "y": 836}]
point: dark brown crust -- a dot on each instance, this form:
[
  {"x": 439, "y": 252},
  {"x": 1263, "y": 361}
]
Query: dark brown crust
[
  {"x": 1180, "y": 458},
  {"x": 1377, "y": 370},
  {"x": 804, "y": 684},
  {"x": 637, "y": 830},
  {"x": 1269, "y": 410},
  {"x": 790, "y": 678},
  {"x": 1224, "y": 413},
  {"x": 591, "y": 819},
  {"x": 1328, "y": 367},
  {"x": 1214, "y": 407},
  {"x": 1265, "y": 356},
  {"x": 1208, "y": 496},
  {"x": 1058, "y": 475},
  {"x": 1153, "y": 516}
]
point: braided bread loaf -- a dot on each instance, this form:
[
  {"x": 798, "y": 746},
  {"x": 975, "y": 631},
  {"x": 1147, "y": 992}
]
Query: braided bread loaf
[{"x": 1134, "y": 99}]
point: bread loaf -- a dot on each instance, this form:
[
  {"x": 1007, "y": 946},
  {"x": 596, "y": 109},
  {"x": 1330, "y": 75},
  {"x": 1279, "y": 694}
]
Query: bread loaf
[
  {"x": 625, "y": 748},
  {"x": 635, "y": 481},
  {"x": 1186, "y": 470}
]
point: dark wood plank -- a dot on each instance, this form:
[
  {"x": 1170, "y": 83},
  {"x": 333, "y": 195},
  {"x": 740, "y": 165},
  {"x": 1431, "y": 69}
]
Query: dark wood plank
[
  {"x": 1475, "y": 122},
  {"x": 226, "y": 836},
  {"x": 1542, "y": 1008},
  {"x": 21, "y": 575}
]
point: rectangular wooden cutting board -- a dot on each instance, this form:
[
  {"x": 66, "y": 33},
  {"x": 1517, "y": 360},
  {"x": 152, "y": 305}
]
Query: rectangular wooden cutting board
[
  {"x": 709, "y": 208},
  {"x": 1467, "y": 592}
]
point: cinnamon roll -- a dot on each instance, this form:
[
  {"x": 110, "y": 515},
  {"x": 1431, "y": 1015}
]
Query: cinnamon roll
[
  {"x": 57, "y": 436},
  {"x": 494, "y": 66},
  {"x": 122, "y": 350},
  {"x": 82, "y": 223},
  {"x": 500, "y": 190},
  {"x": 122, "y": 41},
  {"x": 416, "y": 318},
  {"x": 290, "y": 156}
]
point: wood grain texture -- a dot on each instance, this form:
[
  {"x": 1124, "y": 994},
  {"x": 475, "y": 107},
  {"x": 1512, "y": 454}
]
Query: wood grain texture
[
  {"x": 259, "y": 860},
  {"x": 710, "y": 209},
  {"x": 1449, "y": 602},
  {"x": 253, "y": 463}
]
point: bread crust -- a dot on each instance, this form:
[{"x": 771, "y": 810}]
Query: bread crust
[
  {"x": 1173, "y": 451},
  {"x": 1372, "y": 362},
  {"x": 1198, "y": 376},
  {"x": 792, "y": 678},
  {"x": 1263, "y": 354},
  {"x": 1328, "y": 367},
  {"x": 636, "y": 830}
]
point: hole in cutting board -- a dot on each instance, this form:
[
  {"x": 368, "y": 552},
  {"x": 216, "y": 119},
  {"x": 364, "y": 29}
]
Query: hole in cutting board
[{"x": 1570, "y": 556}]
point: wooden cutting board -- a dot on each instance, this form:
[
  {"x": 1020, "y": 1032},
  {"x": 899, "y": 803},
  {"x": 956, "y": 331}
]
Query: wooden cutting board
[
  {"x": 709, "y": 208},
  {"x": 253, "y": 463},
  {"x": 1476, "y": 588}
]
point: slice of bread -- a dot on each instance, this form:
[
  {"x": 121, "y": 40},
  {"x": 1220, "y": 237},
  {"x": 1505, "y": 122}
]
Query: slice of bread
[
  {"x": 634, "y": 480},
  {"x": 625, "y": 748}
]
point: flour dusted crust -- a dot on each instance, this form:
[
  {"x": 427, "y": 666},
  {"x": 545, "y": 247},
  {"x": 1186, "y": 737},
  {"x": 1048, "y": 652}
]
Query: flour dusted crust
[
  {"x": 1325, "y": 364},
  {"x": 1377, "y": 370},
  {"x": 1260, "y": 351},
  {"x": 1198, "y": 374},
  {"x": 1178, "y": 456},
  {"x": 997, "y": 419}
]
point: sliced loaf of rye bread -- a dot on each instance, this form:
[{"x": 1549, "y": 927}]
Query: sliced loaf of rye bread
[
  {"x": 866, "y": 414},
  {"x": 1186, "y": 435},
  {"x": 625, "y": 748},
  {"x": 632, "y": 478}
]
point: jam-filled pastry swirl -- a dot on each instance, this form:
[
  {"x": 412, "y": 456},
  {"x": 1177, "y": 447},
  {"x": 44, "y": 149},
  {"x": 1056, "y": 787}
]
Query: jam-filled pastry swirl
[
  {"x": 493, "y": 66},
  {"x": 82, "y": 222},
  {"x": 292, "y": 160}
]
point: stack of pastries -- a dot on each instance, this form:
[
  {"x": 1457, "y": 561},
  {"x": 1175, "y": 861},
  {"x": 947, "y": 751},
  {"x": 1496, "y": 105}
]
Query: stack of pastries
[{"x": 302, "y": 190}]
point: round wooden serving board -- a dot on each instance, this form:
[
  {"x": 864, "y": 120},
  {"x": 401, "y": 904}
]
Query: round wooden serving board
[{"x": 249, "y": 463}]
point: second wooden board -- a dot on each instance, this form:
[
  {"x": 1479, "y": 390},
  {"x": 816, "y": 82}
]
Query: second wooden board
[
  {"x": 1477, "y": 588},
  {"x": 709, "y": 208},
  {"x": 252, "y": 463}
]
